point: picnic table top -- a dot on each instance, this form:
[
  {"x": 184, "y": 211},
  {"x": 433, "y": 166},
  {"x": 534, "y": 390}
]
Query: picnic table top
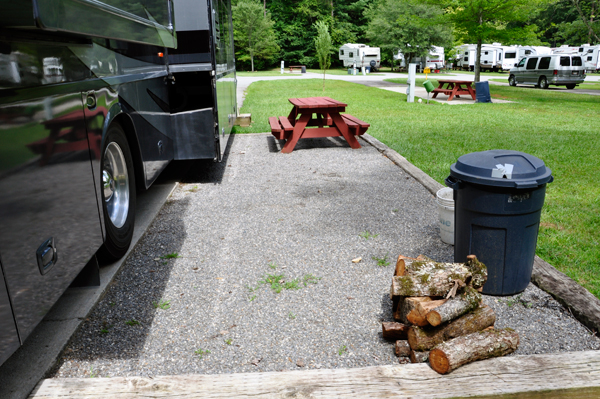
[
  {"x": 453, "y": 81},
  {"x": 316, "y": 102}
]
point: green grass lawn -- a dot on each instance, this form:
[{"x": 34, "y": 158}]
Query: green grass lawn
[
  {"x": 585, "y": 85},
  {"x": 433, "y": 136}
]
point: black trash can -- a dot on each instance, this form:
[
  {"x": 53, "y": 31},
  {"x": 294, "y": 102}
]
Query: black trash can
[
  {"x": 482, "y": 92},
  {"x": 498, "y": 199},
  {"x": 303, "y": 70}
]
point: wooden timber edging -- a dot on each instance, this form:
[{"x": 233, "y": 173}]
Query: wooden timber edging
[
  {"x": 498, "y": 376},
  {"x": 584, "y": 306}
]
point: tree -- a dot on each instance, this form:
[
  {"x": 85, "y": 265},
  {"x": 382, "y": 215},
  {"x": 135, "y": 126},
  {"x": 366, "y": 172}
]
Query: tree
[
  {"x": 253, "y": 32},
  {"x": 587, "y": 11},
  {"x": 411, "y": 26},
  {"x": 476, "y": 21},
  {"x": 323, "y": 47}
]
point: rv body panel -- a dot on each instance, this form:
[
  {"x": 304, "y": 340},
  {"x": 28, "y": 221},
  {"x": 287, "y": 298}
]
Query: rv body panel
[{"x": 360, "y": 55}]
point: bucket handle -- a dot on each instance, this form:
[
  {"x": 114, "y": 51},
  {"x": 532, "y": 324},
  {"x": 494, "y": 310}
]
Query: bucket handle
[{"x": 452, "y": 182}]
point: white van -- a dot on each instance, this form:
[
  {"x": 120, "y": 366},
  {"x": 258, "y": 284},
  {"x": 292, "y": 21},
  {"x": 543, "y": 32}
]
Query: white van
[{"x": 551, "y": 69}]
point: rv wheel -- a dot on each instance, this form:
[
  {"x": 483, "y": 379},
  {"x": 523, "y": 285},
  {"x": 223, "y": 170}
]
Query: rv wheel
[
  {"x": 118, "y": 194},
  {"x": 543, "y": 83},
  {"x": 512, "y": 81},
  {"x": 571, "y": 86}
]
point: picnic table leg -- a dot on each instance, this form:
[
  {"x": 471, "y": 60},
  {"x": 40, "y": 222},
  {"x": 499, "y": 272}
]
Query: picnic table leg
[
  {"x": 339, "y": 123},
  {"x": 293, "y": 115},
  {"x": 471, "y": 91},
  {"x": 297, "y": 133},
  {"x": 454, "y": 88}
]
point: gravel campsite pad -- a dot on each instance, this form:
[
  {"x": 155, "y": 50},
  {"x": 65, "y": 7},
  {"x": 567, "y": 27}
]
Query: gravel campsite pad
[{"x": 248, "y": 267}]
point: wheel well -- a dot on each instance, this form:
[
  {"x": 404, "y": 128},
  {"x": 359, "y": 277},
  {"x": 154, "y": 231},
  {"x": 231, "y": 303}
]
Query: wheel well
[{"x": 134, "y": 146}]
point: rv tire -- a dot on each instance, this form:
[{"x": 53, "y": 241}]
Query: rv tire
[{"x": 118, "y": 193}]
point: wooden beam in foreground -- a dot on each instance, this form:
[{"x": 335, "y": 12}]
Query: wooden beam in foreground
[{"x": 496, "y": 376}]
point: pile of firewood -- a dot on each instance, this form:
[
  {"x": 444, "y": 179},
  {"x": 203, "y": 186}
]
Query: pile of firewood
[{"x": 441, "y": 318}]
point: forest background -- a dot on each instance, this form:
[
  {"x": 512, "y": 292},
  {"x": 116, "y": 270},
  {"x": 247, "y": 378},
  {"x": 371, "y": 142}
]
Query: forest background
[{"x": 269, "y": 31}]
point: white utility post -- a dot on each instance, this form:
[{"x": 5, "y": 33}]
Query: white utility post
[
  {"x": 410, "y": 90},
  {"x": 282, "y": 67}
]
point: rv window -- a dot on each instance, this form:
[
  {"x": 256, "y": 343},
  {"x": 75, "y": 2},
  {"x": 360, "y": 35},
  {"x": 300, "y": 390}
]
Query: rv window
[
  {"x": 565, "y": 61},
  {"x": 527, "y": 52},
  {"x": 577, "y": 61},
  {"x": 341, "y": 52},
  {"x": 590, "y": 51},
  {"x": 486, "y": 53},
  {"x": 510, "y": 55},
  {"x": 589, "y": 58},
  {"x": 544, "y": 63},
  {"x": 532, "y": 62},
  {"x": 466, "y": 53},
  {"x": 351, "y": 54},
  {"x": 581, "y": 49},
  {"x": 466, "y": 59}
]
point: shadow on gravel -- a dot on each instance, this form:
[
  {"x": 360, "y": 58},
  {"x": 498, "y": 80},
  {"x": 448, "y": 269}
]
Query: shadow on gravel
[
  {"x": 118, "y": 325},
  {"x": 307, "y": 144}
]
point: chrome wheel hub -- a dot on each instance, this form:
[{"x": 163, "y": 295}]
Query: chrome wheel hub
[{"x": 115, "y": 185}]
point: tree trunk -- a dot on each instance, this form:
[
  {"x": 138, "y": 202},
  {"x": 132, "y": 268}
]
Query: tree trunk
[
  {"x": 402, "y": 348},
  {"x": 469, "y": 348},
  {"x": 418, "y": 316},
  {"x": 394, "y": 331},
  {"x": 478, "y": 54},
  {"x": 323, "y": 79},
  {"x": 419, "y": 357},
  {"x": 429, "y": 279},
  {"x": 422, "y": 339},
  {"x": 455, "y": 307}
]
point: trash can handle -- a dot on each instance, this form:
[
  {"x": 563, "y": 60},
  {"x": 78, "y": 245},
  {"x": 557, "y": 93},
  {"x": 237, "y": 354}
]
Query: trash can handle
[{"x": 452, "y": 182}]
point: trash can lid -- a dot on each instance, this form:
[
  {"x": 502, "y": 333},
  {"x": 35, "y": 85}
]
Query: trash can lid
[{"x": 501, "y": 168}]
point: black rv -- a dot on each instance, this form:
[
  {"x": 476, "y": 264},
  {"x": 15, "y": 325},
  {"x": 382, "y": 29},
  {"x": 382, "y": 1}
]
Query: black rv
[{"x": 96, "y": 98}]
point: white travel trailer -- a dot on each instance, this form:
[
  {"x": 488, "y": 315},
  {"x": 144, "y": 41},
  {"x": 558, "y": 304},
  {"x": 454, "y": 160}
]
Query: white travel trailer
[
  {"x": 434, "y": 60},
  {"x": 360, "y": 55},
  {"x": 496, "y": 57},
  {"x": 467, "y": 57},
  {"x": 513, "y": 54},
  {"x": 590, "y": 54}
]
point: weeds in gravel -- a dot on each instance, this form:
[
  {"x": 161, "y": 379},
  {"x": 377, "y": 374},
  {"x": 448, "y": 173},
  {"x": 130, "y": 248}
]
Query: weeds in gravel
[
  {"x": 228, "y": 341},
  {"x": 366, "y": 235},
  {"x": 173, "y": 255},
  {"x": 343, "y": 349},
  {"x": 193, "y": 189},
  {"x": 291, "y": 316},
  {"x": 93, "y": 374},
  {"x": 310, "y": 279},
  {"x": 253, "y": 297},
  {"x": 273, "y": 265},
  {"x": 164, "y": 305},
  {"x": 201, "y": 352},
  {"x": 383, "y": 262},
  {"x": 132, "y": 322}
]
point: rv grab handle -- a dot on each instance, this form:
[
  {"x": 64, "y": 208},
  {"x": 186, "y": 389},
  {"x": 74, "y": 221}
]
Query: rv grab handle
[{"x": 452, "y": 182}]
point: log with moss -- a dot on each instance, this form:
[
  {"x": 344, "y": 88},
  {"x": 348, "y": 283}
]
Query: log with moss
[
  {"x": 401, "y": 263},
  {"x": 418, "y": 316},
  {"x": 394, "y": 331},
  {"x": 423, "y": 339},
  {"x": 468, "y": 348},
  {"x": 469, "y": 299},
  {"x": 402, "y": 348},
  {"x": 478, "y": 271},
  {"x": 419, "y": 356},
  {"x": 426, "y": 278}
]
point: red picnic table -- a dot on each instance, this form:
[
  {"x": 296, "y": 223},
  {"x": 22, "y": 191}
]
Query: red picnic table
[
  {"x": 454, "y": 88},
  {"x": 322, "y": 112}
]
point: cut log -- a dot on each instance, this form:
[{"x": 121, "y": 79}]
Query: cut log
[
  {"x": 406, "y": 306},
  {"x": 418, "y": 316},
  {"x": 478, "y": 271},
  {"x": 469, "y": 348},
  {"x": 394, "y": 331},
  {"x": 401, "y": 267},
  {"x": 419, "y": 357},
  {"x": 402, "y": 348},
  {"x": 455, "y": 307},
  {"x": 423, "y": 339},
  {"x": 429, "y": 279}
]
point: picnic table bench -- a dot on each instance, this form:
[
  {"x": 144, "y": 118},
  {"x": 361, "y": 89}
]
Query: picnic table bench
[
  {"x": 315, "y": 117},
  {"x": 300, "y": 67},
  {"x": 454, "y": 88}
]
